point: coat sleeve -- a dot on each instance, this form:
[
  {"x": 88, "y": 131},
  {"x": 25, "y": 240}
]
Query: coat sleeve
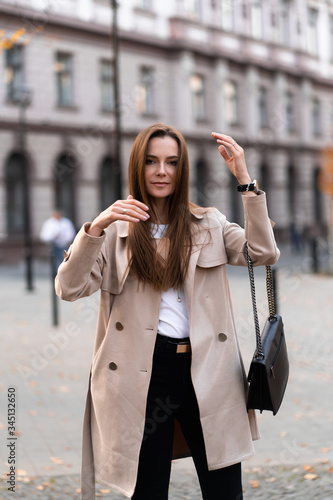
[
  {"x": 81, "y": 272},
  {"x": 257, "y": 232}
]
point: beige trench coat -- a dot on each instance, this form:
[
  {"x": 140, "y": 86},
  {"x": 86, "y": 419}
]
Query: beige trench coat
[{"x": 126, "y": 332}]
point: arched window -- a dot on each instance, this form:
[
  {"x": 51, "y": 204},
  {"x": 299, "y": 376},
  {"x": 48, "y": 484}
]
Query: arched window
[
  {"x": 318, "y": 199},
  {"x": 64, "y": 185},
  {"x": 202, "y": 194},
  {"x": 291, "y": 190},
  {"x": 264, "y": 177},
  {"x": 16, "y": 175},
  {"x": 109, "y": 183},
  {"x": 236, "y": 206}
]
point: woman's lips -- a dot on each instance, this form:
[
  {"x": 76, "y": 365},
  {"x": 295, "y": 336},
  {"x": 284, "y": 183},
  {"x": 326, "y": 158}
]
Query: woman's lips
[{"x": 160, "y": 184}]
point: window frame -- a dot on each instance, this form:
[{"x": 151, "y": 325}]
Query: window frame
[
  {"x": 106, "y": 83},
  {"x": 199, "y": 110},
  {"x": 12, "y": 69},
  {"x": 233, "y": 101},
  {"x": 61, "y": 101}
]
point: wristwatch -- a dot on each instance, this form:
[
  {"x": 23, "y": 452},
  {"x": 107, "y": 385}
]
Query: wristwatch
[{"x": 253, "y": 186}]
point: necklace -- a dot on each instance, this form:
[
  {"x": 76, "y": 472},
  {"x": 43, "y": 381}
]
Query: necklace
[{"x": 178, "y": 298}]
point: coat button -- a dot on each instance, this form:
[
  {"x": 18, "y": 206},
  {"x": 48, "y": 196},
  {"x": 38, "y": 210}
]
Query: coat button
[
  {"x": 113, "y": 366},
  {"x": 119, "y": 326},
  {"x": 222, "y": 337}
]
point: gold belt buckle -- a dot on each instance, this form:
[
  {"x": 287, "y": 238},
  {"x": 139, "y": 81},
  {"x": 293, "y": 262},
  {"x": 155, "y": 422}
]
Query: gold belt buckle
[{"x": 182, "y": 348}]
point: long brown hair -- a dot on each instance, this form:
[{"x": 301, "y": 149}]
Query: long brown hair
[{"x": 145, "y": 262}]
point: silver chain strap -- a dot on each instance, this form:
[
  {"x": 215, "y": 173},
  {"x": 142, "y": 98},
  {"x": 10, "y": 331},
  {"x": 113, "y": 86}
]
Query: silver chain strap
[{"x": 270, "y": 297}]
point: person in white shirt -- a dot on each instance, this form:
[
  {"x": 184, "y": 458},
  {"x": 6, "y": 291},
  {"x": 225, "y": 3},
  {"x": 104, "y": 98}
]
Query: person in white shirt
[
  {"x": 58, "y": 232},
  {"x": 167, "y": 378}
]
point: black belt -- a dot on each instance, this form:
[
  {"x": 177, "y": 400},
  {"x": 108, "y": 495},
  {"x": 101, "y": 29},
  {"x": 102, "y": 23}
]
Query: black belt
[{"x": 179, "y": 346}]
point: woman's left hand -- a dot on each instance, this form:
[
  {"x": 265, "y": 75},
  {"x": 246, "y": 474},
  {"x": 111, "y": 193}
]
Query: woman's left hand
[{"x": 236, "y": 162}]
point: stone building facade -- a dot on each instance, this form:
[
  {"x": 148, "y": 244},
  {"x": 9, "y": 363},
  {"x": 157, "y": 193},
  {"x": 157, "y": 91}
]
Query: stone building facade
[{"x": 261, "y": 71}]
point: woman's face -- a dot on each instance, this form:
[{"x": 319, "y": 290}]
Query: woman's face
[{"x": 161, "y": 166}]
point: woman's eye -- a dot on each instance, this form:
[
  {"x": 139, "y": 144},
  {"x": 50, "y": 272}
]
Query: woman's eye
[
  {"x": 149, "y": 161},
  {"x": 173, "y": 163}
]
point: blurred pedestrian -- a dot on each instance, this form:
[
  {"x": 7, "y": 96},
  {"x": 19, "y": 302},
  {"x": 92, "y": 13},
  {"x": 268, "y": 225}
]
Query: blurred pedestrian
[
  {"x": 167, "y": 379},
  {"x": 58, "y": 232}
]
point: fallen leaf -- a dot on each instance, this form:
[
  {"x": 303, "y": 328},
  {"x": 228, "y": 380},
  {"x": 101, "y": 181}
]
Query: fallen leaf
[
  {"x": 74, "y": 376},
  {"x": 61, "y": 374},
  {"x": 78, "y": 490},
  {"x": 324, "y": 450},
  {"x": 303, "y": 445},
  {"x": 254, "y": 484},
  {"x": 256, "y": 470},
  {"x": 310, "y": 476},
  {"x": 33, "y": 413},
  {"x": 46, "y": 484},
  {"x": 308, "y": 467},
  {"x": 330, "y": 469},
  {"x": 64, "y": 388},
  {"x": 21, "y": 472},
  {"x": 105, "y": 491},
  {"x": 283, "y": 433},
  {"x": 271, "y": 480},
  {"x": 40, "y": 487},
  {"x": 56, "y": 460}
]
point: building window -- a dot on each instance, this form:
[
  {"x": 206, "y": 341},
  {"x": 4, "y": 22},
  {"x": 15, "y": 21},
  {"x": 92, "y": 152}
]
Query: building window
[
  {"x": 230, "y": 102},
  {"x": 107, "y": 85},
  {"x": 64, "y": 75},
  {"x": 16, "y": 174},
  {"x": 227, "y": 14},
  {"x": 312, "y": 35},
  {"x": 284, "y": 22},
  {"x": 201, "y": 183},
  {"x": 64, "y": 185},
  {"x": 109, "y": 183},
  {"x": 256, "y": 19},
  {"x": 262, "y": 107},
  {"x": 197, "y": 86},
  {"x": 14, "y": 74},
  {"x": 316, "y": 117},
  {"x": 145, "y": 91},
  {"x": 290, "y": 112},
  {"x": 193, "y": 9}
]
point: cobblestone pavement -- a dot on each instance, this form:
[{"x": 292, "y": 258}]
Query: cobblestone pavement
[
  {"x": 298, "y": 483},
  {"x": 49, "y": 365}
]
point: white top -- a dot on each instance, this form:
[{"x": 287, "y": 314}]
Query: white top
[
  {"x": 173, "y": 319},
  {"x": 60, "y": 232}
]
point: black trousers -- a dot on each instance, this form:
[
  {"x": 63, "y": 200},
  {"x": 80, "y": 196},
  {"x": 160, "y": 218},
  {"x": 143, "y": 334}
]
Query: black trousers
[{"x": 171, "y": 395}]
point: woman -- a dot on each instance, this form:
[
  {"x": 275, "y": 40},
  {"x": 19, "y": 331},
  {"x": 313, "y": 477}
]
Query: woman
[{"x": 167, "y": 379}]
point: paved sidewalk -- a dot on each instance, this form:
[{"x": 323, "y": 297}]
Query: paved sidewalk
[{"x": 48, "y": 367}]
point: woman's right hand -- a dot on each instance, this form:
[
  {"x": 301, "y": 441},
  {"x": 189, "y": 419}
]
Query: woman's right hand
[{"x": 129, "y": 210}]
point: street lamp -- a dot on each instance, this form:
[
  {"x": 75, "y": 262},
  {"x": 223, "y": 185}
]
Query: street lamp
[
  {"x": 115, "y": 50},
  {"x": 22, "y": 95}
]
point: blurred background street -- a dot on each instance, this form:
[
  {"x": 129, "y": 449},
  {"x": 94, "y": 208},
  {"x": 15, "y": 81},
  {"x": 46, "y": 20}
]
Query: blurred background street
[{"x": 79, "y": 80}]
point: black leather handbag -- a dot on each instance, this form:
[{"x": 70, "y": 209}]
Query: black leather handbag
[{"x": 269, "y": 369}]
